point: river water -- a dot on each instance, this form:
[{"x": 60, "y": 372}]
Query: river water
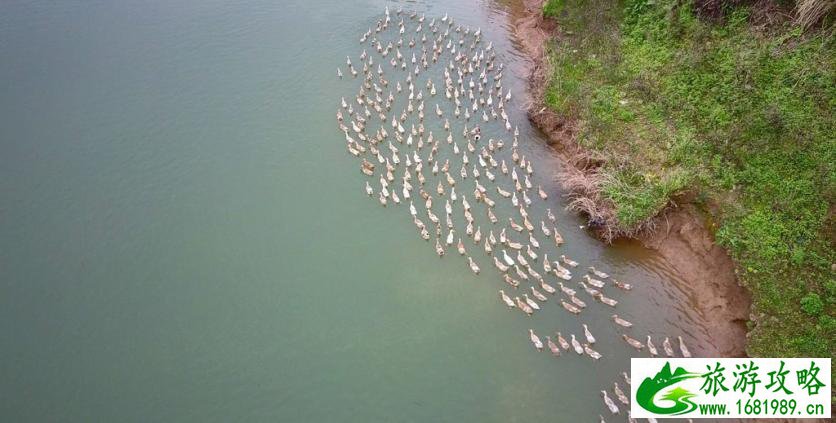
[{"x": 183, "y": 236}]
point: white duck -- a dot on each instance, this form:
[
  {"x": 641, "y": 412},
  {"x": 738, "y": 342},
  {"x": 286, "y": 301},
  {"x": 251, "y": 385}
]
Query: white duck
[
  {"x": 506, "y": 299},
  {"x": 570, "y": 308},
  {"x": 595, "y": 355},
  {"x": 635, "y": 343},
  {"x": 588, "y": 334},
  {"x": 598, "y": 273},
  {"x": 652, "y": 348},
  {"x": 622, "y": 285},
  {"x": 523, "y": 306},
  {"x": 546, "y": 287},
  {"x": 577, "y": 345},
  {"x": 610, "y": 404},
  {"x": 620, "y": 394},
  {"x": 553, "y": 347},
  {"x": 621, "y": 322},
  {"x": 594, "y": 282},
  {"x": 531, "y": 303},
  {"x": 535, "y": 340},
  {"x": 536, "y": 294},
  {"x": 568, "y": 261},
  {"x": 508, "y": 260},
  {"x": 666, "y": 345},
  {"x": 562, "y": 341},
  {"x": 683, "y": 349}
]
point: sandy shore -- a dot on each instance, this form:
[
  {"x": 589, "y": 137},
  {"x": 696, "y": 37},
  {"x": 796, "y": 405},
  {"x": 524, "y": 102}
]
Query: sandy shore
[{"x": 682, "y": 238}]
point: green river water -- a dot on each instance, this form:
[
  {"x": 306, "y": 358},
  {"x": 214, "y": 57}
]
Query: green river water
[{"x": 183, "y": 236}]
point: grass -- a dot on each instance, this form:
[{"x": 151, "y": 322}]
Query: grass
[
  {"x": 737, "y": 115},
  {"x": 551, "y": 8}
]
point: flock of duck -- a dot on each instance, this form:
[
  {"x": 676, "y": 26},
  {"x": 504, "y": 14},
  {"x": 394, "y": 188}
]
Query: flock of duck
[{"x": 441, "y": 162}]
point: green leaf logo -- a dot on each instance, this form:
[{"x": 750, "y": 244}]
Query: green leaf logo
[{"x": 681, "y": 397}]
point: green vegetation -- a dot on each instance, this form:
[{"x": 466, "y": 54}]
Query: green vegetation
[
  {"x": 551, "y": 8},
  {"x": 739, "y": 116}
]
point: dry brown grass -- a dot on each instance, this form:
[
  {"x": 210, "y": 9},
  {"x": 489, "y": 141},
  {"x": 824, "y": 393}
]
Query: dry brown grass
[
  {"x": 584, "y": 192},
  {"x": 811, "y": 12}
]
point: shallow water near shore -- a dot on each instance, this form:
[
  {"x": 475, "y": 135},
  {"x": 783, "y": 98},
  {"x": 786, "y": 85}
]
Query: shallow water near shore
[{"x": 184, "y": 238}]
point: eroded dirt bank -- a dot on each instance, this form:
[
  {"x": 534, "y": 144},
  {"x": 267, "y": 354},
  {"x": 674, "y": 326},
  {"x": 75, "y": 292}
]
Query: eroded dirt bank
[{"x": 682, "y": 237}]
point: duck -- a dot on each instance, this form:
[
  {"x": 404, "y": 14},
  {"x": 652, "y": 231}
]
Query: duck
[
  {"x": 369, "y": 189},
  {"x": 438, "y": 248},
  {"x": 511, "y": 281},
  {"x": 608, "y": 301},
  {"x": 473, "y": 267},
  {"x": 547, "y": 267},
  {"x": 594, "y": 282},
  {"x": 683, "y": 349},
  {"x": 550, "y": 215},
  {"x": 530, "y": 252},
  {"x": 535, "y": 340},
  {"x": 546, "y": 231},
  {"x": 531, "y": 303},
  {"x": 635, "y": 343},
  {"x": 610, "y": 404},
  {"x": 562, "y": 341},
  {"x": 626, "y": 378},
  {"x": 622, "y": 285},
  {"x": 570, "y": 308},
  {"x": 499, "y": 265},
  {"x": 424, "y": 234},
  {"x": 514, "y": 225},
  {"x": 558, "y": 238},
  {"x": 620, "y": 394},
  {"x": 506, "y": 299},
  {"x": 621, "y": 322},
  {"x": 520, "y": 273},
  {"x": 651, "y": 348},
  {"x": 542, "y": 193},
  {"x": 594, "y": 293},
  {"x": 533, "y": 241},
  {"x": 566, "y": 290},
  {"x": 508, "y": 260},
  {"x": 577, "y": 345},
  {"x": 568, "y": 261},
  {"x": 450, "y": 236},
  {"x": 523, "y": 306},
  {"x": 460, "y": 247},
  {"x": 598, "y": 273},
  {"x": 528, "y": 226},
  {"x": 552, "y": 346},
  {"x": 521, "y": 259},
  {"x": 595, "y": 355},
  {"x": 666, "y": 345},
  {"x": 577, "y": 301},
  {"x": 536, "y": 294},
  {"x": 546, "y": 287},
  {"x": 588, "y": 334}
]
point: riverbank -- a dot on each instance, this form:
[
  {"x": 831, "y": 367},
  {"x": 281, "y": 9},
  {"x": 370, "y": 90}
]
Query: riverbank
[
  {"x": 635, "y": 168},
  {"x": 685, "y": 242}
]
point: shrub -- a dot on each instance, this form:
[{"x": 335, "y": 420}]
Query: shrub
[
  {"x": 812, "y": 304},
  {"x": 551, "y": 8}
]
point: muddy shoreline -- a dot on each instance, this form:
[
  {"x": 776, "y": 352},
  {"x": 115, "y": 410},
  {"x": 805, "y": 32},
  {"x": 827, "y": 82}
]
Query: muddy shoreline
[{"x": 682, "y": 236}]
